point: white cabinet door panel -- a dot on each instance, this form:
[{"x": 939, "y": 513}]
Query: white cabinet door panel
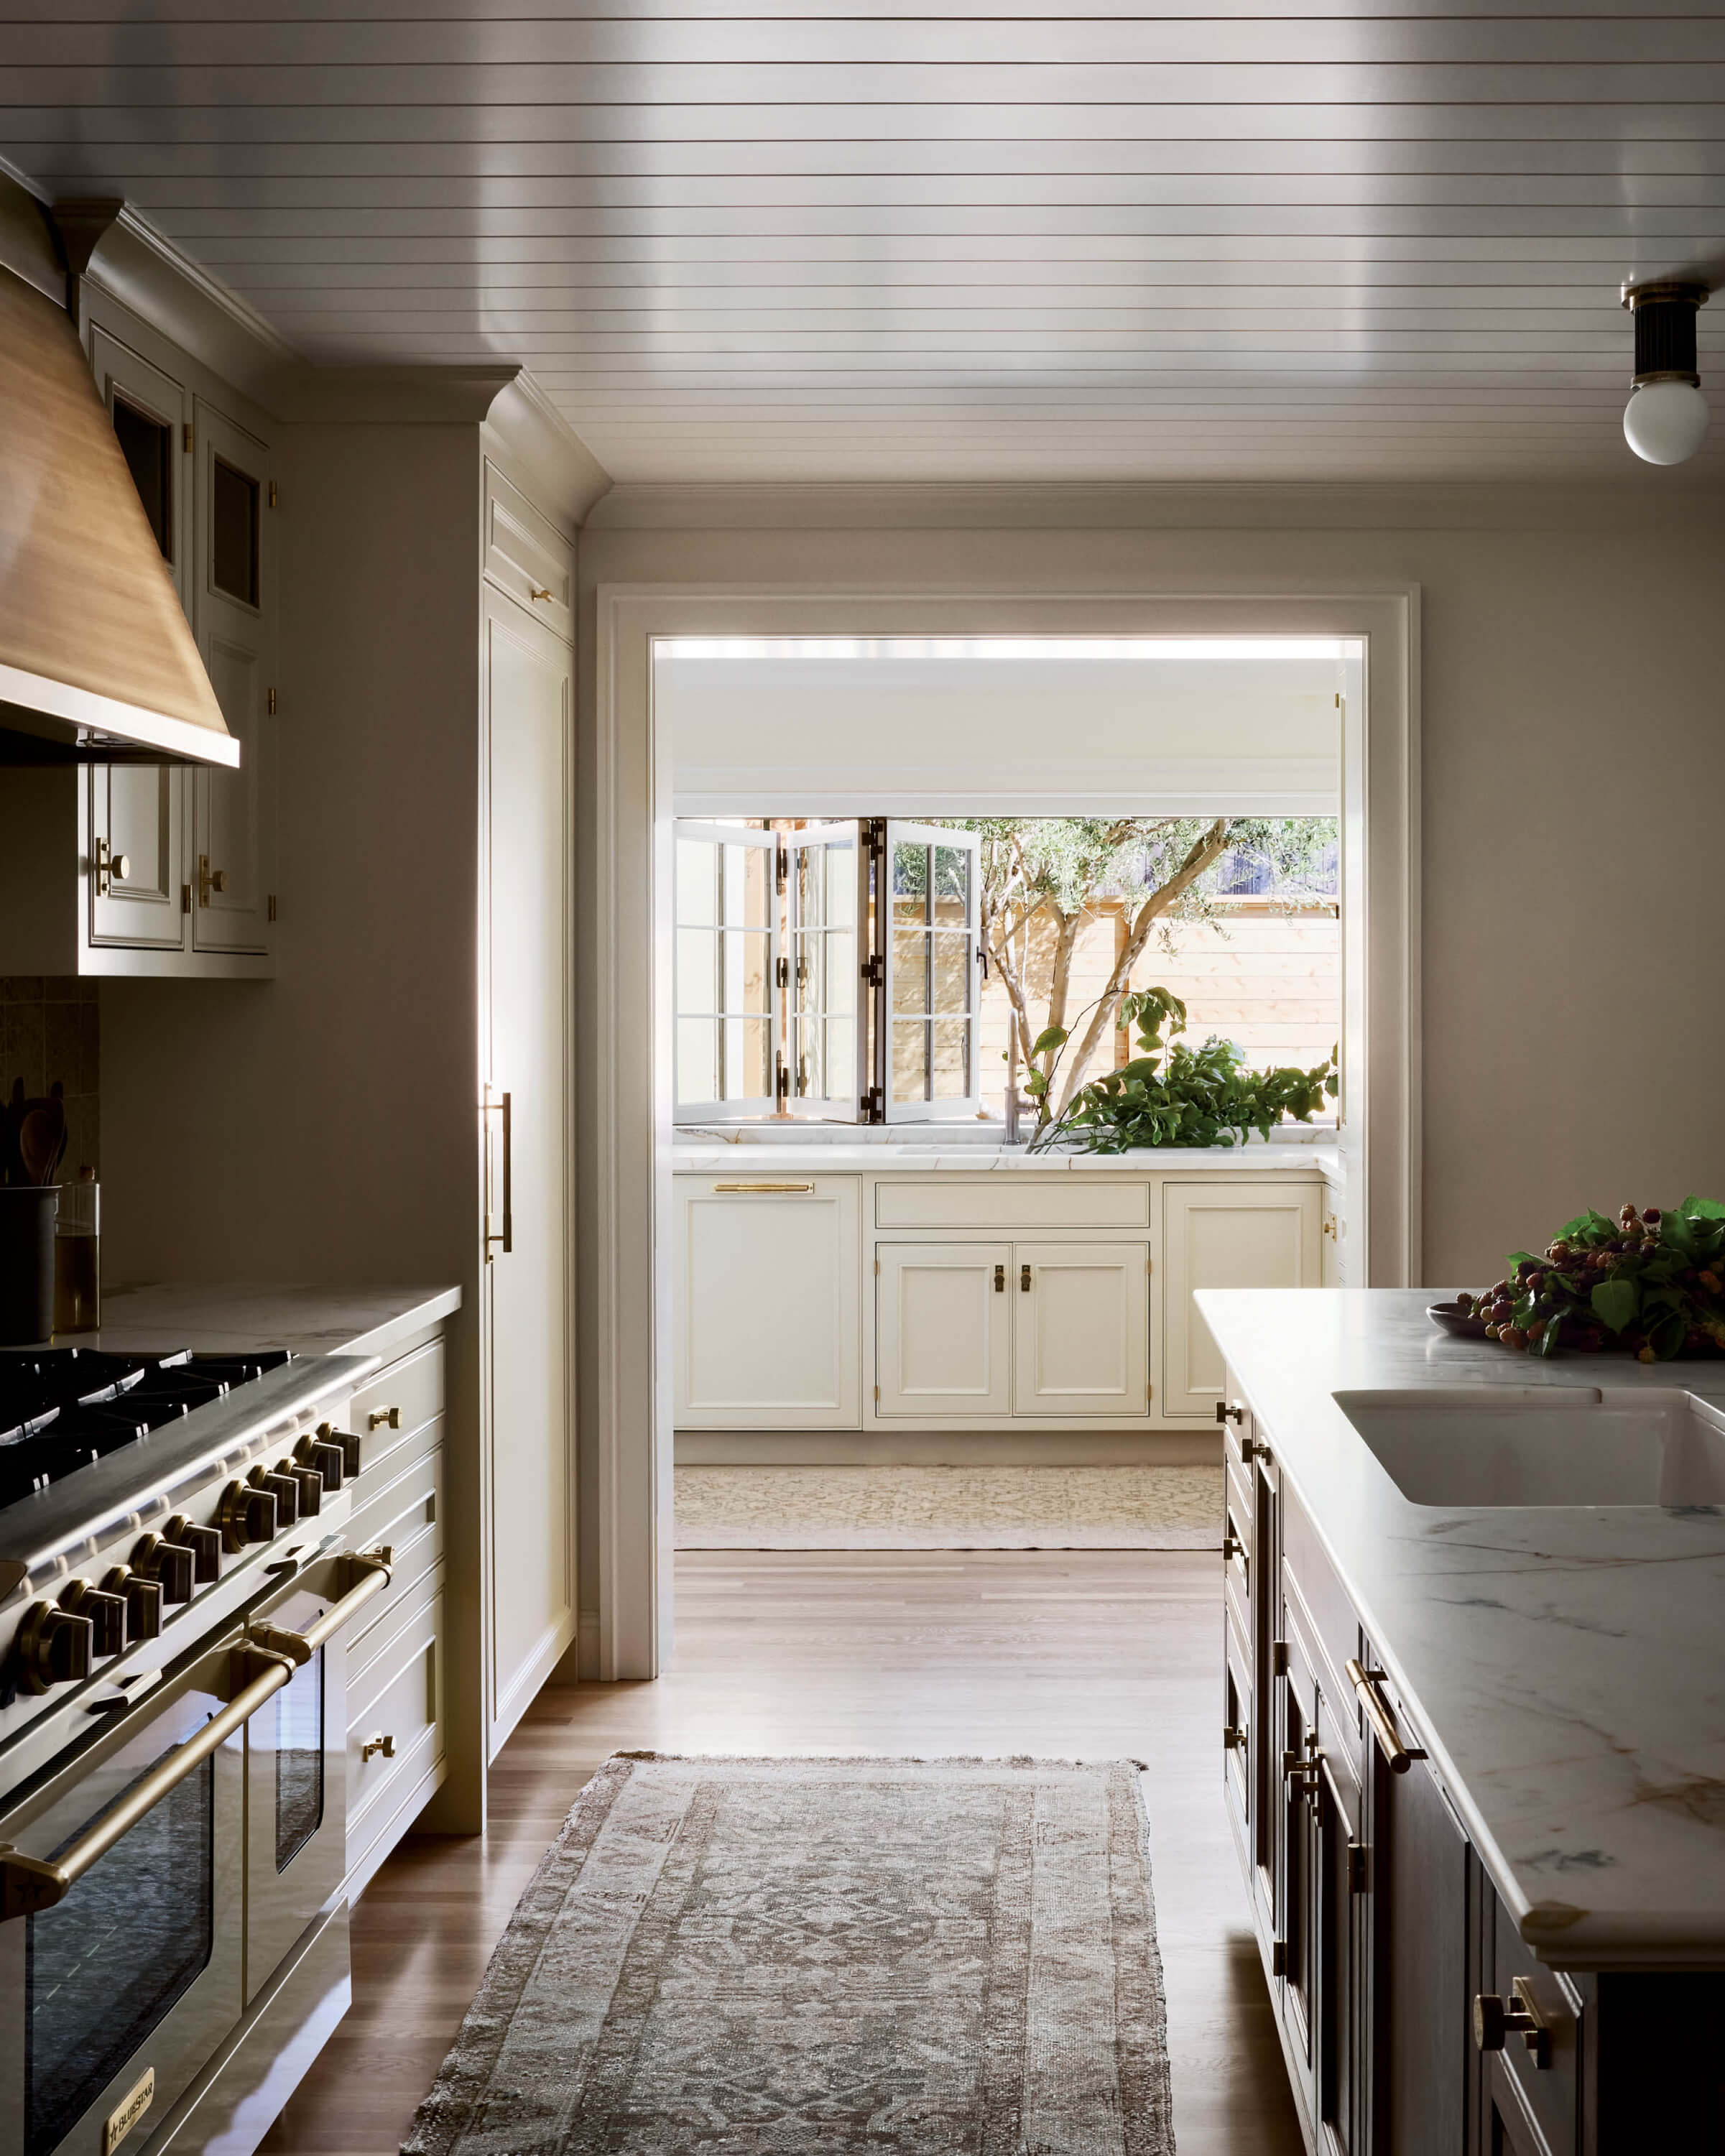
[
  {"x": 767, "y": 1317},
  {"x": 1081, "y": 1328},
  {"x": 1226, "y": 1235},
  {"x": 942, "y": 1328}
]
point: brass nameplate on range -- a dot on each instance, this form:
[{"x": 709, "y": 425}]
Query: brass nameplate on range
[{"x": 121, "y": 2122}]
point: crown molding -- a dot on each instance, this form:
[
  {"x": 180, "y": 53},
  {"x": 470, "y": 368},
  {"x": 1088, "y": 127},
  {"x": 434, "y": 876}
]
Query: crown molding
[{"x": 566, "y": 477}]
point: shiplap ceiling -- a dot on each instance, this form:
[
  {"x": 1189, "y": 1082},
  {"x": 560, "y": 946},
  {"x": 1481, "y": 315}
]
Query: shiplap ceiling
[{"x": 823, "y": 239}]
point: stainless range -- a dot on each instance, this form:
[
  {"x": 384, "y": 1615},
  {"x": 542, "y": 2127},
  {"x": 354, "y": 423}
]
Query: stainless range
[{"x": 174, "y": 1587}]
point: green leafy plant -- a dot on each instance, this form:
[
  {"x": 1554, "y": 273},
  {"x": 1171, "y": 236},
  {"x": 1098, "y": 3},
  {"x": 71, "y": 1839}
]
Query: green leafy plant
[
  {"x": 1173, "y": 1094},
  {"x": 1651, "y": 1283}
]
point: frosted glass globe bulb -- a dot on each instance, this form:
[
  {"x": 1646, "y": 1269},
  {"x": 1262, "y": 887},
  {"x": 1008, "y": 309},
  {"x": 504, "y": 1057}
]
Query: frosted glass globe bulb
[{"x": 1666, "y": 422}]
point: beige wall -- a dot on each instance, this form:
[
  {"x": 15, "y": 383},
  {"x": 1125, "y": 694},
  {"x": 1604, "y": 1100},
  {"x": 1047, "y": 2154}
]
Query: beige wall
[{"x": 1573, "y": 771}]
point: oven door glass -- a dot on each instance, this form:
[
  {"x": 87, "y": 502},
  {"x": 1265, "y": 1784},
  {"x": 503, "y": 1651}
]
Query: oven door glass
[
  {"x": 105, "y": 1967},
  {"x": 299, "y": 1761}
]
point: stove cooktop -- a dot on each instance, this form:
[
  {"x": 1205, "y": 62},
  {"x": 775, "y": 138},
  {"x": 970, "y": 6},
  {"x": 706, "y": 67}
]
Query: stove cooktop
[{"x": 61, "y": 1409}]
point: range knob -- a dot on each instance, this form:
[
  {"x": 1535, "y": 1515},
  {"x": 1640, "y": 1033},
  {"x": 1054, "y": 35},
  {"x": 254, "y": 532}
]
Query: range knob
[
  {"x": 281, "y": 1487},
  {"x": 325, "y": 1456},
  {"x": 205, "y": 1544},
  {"x": 248, "y": 1515},
  {"x": 54, "y": 1646},
  {"x": 308, "y": 1482},
  {"x": 142, "y": 1597},
  {"x": 327, "y": 1433},
  {"x": 106, "y": 1614},
  {"x": 172, "y": 1565}
]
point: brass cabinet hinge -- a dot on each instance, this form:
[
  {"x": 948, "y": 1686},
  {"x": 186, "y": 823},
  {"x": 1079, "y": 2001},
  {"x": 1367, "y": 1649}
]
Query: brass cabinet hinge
[
  {"x": 273, "y": 500},
  {"x": 1279, "y": 1657},
  {"x": 188, "y": 437},
  {"x": 272, "y": 703},
  {"x": 877, "y": 1391},
  {"x": 185, "y": 898},
  {"x": 270, "y": 902},
  {"x": 1149, "y": 1390},
  {"x": 1359, "y": 1868}
]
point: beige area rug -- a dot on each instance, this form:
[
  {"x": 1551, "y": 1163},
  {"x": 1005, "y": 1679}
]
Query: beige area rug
[
  {"x": 949, "y": 1508},
  {"x": 904, "y": 1958}
]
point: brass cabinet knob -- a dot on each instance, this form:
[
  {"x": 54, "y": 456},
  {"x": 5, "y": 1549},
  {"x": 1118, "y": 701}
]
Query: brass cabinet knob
[
  {"x": 142, "y": 1597},
  {"x": 218, "y": 879},
  {"x": 172, "y": 1565},
  {"x": 383, "y": 1743},
  {"x": 537, "y": 591},
  {"x": 54, "y": 1646},
  {"x": 325, "y": 1456},
  {"x": 248, "y": 1515},
  {"x": 1229, "y": 1411},
  {"x": 1232, "y": 1546},
  {"x": 205, "y": 1544},
  {"x": 390, "y": 1418},
  {"x": 1232, "y": 1736},
  {"x": 121, "y": 867},
  {"x": 309, "y": 1484},
  {"x": 1495, "y": 2020},
  {"x": 106, "y": 1614}
]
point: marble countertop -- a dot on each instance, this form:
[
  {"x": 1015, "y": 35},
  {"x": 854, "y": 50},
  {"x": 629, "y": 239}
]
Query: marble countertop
[
  {"x": 1563, "y": 1663},
  {"x": 756, "y": 1159},
  {"x": 228, "y": 1317}
]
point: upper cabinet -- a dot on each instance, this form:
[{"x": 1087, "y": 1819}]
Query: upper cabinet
[{"x": 144, "y": 869}]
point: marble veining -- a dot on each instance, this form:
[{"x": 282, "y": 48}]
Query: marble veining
[{"x": 1562, "y": 1662}]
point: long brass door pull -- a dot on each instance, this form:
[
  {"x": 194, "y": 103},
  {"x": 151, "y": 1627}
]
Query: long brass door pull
[
  {"x": 299, "y": 1647},
  {"x": 1397, "y": 1756}
]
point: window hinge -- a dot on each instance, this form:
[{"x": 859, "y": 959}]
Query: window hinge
[
  {"x": 874, "y": 971},
  {"x": 273, "y": 502},
  {"x": 783, "y": 860},
  {"x": 782, "y": 972},
  {"x": 1279, "y": 1657},
  {"x": 782, "y": 1082},
  {"x": 272, "y": 703},
  {"x": 873, "y": 1105},
  {"x": 1278, "y": 1957},
  {"x": 185, "y": 898},
  {"x": 270, "y": 902},
  {"x": 188, "y": 437},
  {"x": 1359, "y": 1868}
]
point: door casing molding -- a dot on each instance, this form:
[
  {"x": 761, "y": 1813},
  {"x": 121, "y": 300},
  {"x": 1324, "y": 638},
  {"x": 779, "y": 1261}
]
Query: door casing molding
[{"x": 626, "y": 1124}]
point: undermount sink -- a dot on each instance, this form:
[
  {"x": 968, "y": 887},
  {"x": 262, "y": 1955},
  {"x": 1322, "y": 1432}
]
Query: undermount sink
[{"x": 1541, "y": 1445}]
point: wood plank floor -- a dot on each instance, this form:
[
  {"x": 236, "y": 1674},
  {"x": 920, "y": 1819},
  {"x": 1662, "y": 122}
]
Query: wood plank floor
[{"x": 1065, "y": 1654}]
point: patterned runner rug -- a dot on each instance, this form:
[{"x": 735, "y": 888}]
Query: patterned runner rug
[
  {"x": 908, "y": 1958},
  {"x": 1126, "y": 1507}
]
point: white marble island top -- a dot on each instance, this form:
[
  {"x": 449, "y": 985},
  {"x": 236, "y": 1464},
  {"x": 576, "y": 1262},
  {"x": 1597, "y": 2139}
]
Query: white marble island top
[
  {"x": 228, "y": 1318},
  {"x": 1563, "y": 1664}
]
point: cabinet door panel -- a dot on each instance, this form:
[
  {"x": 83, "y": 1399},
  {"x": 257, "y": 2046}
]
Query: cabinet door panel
[
  {"x": 942, "y": 1326},
  {"x": 767, "y": 1319},
  {"x": 232, "y": 867},
  {"x": 527, "y": 718},
  {"x": 1081, "y": 1328},
  {"x": 1231, "y": 1234},
  {"x": 1421, "y": 1887}
]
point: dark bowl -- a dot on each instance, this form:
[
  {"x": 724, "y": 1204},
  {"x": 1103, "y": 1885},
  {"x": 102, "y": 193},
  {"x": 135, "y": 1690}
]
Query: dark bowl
[{"x": 1449, "y": 1319}]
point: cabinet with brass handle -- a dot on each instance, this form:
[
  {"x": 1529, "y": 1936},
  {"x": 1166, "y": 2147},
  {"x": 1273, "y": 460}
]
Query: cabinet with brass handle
[{"x": 382, "y": 1745}]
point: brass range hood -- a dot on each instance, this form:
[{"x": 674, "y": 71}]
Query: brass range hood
[{"x": 97, "y": 661}]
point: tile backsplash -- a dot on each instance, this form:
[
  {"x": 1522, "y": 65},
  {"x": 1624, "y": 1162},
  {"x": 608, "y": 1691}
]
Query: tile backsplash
[{"x": 49, "y": 1030}]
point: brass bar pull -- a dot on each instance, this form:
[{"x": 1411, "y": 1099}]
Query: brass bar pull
[
  {"x": 383, "y": 1743},
  {"x": 783, "y": 1190},
  {"x": 1397, "y": 1757},
  {"x": 502, "y": 1234},
  {"x": 299, "y": 1647},
  {"x": 30, "y": 1883}
]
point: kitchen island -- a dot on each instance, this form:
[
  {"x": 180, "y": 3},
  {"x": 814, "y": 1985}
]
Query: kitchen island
[{"x": 1474, "y": 1752}]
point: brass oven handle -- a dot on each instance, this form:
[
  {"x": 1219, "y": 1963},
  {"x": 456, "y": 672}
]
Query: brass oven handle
[
  {"x": 299, "y": 1647},
  {"x": 1397, "y": 1757},
  {"x": 784, "y": 1190},
  {"x": 502, "y": 1236},
  {"x": 30, "y": 1883}
]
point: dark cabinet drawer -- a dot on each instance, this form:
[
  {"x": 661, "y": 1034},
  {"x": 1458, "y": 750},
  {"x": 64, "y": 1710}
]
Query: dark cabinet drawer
[{"x": 1547, "y": 2081}]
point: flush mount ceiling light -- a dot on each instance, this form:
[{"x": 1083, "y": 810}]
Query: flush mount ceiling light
[{"x": 1666, "y": 419}]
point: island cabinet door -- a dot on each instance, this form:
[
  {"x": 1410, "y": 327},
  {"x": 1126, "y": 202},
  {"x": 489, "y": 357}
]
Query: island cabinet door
[
  {"x": 944, "y": 1329},
  {"x": 1322, "y": 1945},
  {"x": 1081, "y": 1328},
  {"x": 1422, "y": 1882}
]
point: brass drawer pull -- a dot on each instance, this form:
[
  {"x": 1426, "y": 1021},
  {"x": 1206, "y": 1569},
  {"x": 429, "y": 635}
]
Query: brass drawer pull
[
  {"x": 1228, "y": 1412},
  {"x": 383, "y": 1418},
  {"x": 1232, "y": 1546},
  {"x": 1397, "y": 1757},
  {"x": 1495, "y": 2020},
  {"x": 1232, "y": 1736},
  {"x": 782, "y": 1189},
  {"x": 383, "y": 1741}
]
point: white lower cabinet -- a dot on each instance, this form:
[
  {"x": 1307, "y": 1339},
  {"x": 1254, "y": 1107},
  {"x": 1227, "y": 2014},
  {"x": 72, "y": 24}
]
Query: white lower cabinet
[
  {"x": 766, "y": 1303},
  {"x": 1227, "y": 1234},
  {"x": 943, "y": 1328},
  {"x": 1081, "y": 1331}
]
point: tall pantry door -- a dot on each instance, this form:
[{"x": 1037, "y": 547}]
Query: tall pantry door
[{"x": 527, "y": 738}]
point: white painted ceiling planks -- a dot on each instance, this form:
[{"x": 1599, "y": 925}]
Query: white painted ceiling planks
[{"x": 821, "y": 239}]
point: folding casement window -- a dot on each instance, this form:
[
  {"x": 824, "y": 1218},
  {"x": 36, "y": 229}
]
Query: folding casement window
[
  {"x": 929, "y": 984},
  {"x": 726, "y": 972},
  {"x": 827, "y": 885}
]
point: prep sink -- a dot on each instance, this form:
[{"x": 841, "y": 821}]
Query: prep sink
[{"x": 1489, "y": 1444}]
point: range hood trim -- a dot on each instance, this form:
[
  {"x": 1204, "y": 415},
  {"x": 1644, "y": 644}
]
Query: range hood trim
[{"x": 107, "y": 729}]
